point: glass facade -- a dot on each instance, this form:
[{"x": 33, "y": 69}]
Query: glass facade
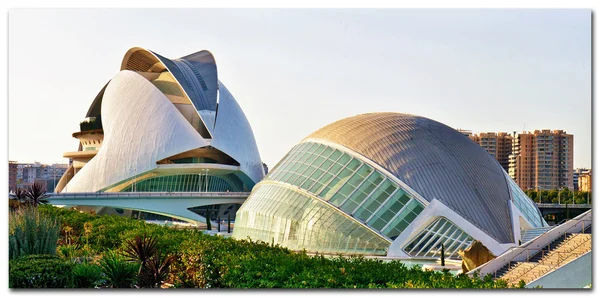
[
  {"x": 321, "y": 198},
  {"x": 526, "y": 205},
  {"x": 350, "y": 184},
  {"x": 428, "y": 243},
  {"x": 183, "y": 183},
  {"x": 293, "y": 218}
]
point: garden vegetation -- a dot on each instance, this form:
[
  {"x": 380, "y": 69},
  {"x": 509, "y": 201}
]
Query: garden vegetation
[{"x": 83, "y": 250}]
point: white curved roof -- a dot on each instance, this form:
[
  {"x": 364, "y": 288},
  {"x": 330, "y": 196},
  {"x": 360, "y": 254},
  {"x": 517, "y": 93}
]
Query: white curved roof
[
  {"x": 227, "y": 128},
  {"x": 141, "y": 127}
]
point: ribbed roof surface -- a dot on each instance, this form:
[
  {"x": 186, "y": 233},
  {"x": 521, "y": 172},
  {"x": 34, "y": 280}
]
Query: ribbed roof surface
[{"x": 433, "y": 159}]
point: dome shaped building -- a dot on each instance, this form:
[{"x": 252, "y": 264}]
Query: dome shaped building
[{"x": 387, "y": 184}]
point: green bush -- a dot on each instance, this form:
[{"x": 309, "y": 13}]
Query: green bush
[
  {"x": 32, "y": 232},
  {"x": 119, "y": 273},
  {"x": 87, "y": 275},
  {"x": 40, "y": 271},
  {"x": 203, "y": 261}
]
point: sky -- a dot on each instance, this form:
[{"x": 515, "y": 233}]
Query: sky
[{"x": 293, "y": 71}]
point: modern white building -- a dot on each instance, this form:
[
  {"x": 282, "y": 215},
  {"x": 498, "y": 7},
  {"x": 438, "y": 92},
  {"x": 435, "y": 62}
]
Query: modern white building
[
  {"x": 163, "y": 125},
  {"x": 387, "y": 184}
]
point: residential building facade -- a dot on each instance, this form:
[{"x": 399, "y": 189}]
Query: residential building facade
[
  {"x": 585, "y": 181},
  {"x": 542, "y": 160},
  {"x": 499, "y": 145},
  {"x": 12, "y": 175},
  {"x": 576, "y": 173}
]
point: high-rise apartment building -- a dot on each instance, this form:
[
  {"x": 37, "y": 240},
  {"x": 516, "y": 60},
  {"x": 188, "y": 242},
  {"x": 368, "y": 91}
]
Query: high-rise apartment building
[
  {"x": 542, "y": 160},
  {"x": 499, "y": 145}
]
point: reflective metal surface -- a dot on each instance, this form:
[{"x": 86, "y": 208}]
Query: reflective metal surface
[{"x": 434, "y": 160}]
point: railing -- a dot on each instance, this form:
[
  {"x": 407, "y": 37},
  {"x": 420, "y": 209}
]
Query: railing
[
  {"x": 564, "y": 205},
  {"x": 147, "y": 194},
  {"x": 543, "y": 260},
  {"x": 519, "y": 253}
]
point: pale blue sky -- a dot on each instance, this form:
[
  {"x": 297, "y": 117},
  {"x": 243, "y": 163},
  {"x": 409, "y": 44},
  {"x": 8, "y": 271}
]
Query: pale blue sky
[{"x": 294, "y": 71}]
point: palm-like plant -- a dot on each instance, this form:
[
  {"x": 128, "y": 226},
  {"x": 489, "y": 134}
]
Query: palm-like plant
[
  {"x": 154, "y": 267},
  {"x": 155, "y": 271},
  {"x": 141, "y": 249},
  {"x": 36, "y": 194},
  {"x": 119, "y": 273},
  {"x": 19, "y": 194}
]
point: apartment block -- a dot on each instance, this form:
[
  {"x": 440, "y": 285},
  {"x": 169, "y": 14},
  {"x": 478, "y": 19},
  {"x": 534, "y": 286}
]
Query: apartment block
[
  {"x": 26, "y": 174},
  {"x": 542, "y": 160},
  {"x": 585, "y": 181},
  {"x": 576, "y": 173},
  {"x": 12, "y": 175},
  {"x": 499, "y": 145}
]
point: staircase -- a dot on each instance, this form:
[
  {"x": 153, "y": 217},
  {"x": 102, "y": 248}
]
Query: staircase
[
  {"x": 529, "y": 234},
  {"x": 561, "y": 251}
]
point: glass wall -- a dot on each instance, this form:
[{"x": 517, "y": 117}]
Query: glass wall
[
  {"x": 349, "y": 184},
  {"x": 429, "y": 242},
  {"x": 526, "y": 205},
  {"x": 292, "y": 218},
  {"x": 183, "y": 183}
]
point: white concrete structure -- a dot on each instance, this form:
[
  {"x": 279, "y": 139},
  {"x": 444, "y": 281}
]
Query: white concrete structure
[{"x": 163, "y": 125}]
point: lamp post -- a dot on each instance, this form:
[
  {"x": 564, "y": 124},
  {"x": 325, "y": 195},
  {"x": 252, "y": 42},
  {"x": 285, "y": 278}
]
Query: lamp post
[
  {"x": 199, "y": 182},
  {"x": 206, "y": 176}
]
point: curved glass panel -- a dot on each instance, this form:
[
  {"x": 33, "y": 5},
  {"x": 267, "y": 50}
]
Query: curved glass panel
[
  {"x": 292, "y": 218},
  {"x": 183, "y": 183},
  {"x": 349, "y": 184},
  {"x": 429, "y": 242},
  {"x": 526, "y": 205}
]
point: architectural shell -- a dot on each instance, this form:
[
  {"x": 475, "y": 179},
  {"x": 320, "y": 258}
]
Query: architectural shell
[
  {"x": 387, "y": 183},
  {"x": 163, "y": 125}
]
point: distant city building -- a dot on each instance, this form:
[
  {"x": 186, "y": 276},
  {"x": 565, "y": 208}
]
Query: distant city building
[
  {"x": 576, "y": 174},
  {"x": 542, "y": 160},
  {"x": 467, "y": 133},
  {"x": 585, "y": 181},
  {"x": 499, "y": 145},
  {"x": 23, "y": 175},
  {"x": 265, "y": 168},
  {"x": 12, "y": 175}
]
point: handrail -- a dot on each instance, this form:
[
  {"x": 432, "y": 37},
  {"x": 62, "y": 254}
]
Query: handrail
[
  {"x": 554, "y": 252},
  {"x": 564, "y": 233},
  {"x": 561, "y": 259},
  {"x": 518, "y": 252}
]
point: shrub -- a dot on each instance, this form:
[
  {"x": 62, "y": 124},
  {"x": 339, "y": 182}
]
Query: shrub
[
  {"x": 204, "y": 261},
  {"x": 87, "y": 275},
  {"x": 154, "y": 266},
  {"x": 119, "y": 273},
  {"x": 32, "y": 232},
  {"x": 40, "y": 271}
]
